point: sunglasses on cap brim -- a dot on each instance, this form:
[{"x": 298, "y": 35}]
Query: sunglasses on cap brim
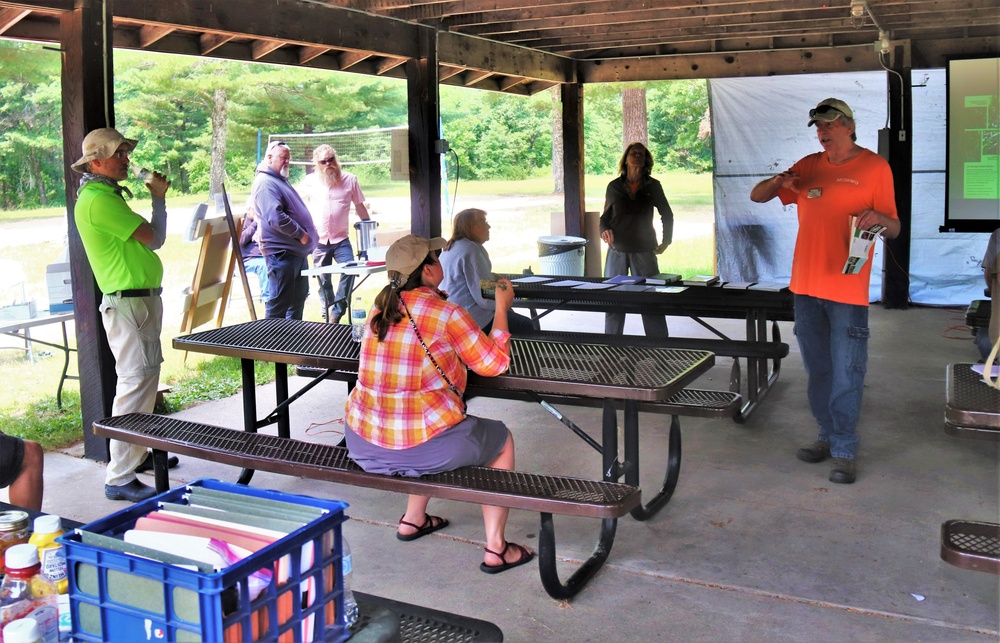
[{"x": 823, "y": 110}]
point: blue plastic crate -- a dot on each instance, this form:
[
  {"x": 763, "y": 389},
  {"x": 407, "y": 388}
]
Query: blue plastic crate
[{"x": 116, "y": 596}]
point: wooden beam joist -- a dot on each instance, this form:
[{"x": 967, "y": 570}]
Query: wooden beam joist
[
  {"x": 730, "y": 65},
  {"x": 10, "y": 17}
]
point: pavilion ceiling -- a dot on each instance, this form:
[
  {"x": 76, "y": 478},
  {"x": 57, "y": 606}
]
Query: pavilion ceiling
[{"x": 524, "y": 46}]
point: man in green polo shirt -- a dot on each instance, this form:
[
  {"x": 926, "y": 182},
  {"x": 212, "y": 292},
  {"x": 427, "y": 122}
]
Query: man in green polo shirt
[{"x": 119, "y": 245}]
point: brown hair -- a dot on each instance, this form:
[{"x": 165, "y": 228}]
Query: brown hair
[
  {"x": 388, "y": 301},
  {"x": 647, "y": 167},
  {"x": 462, "y": 226}
]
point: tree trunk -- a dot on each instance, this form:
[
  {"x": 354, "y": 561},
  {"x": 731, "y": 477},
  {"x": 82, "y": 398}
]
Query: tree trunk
[
  {"x": 38, "y": 178},
  {"x": 558, "y": 176},
  {"x": 634, "y": 125},
  {"x": 217, "y": 171}
]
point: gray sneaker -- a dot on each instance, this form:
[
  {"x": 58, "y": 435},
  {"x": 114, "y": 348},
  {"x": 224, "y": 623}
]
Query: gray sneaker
[
  {"x": 815, "y": 452},
  {"x": 843, "y": 471}
]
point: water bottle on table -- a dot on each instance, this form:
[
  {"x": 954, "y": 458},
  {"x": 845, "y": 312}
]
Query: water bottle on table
[
  {"x": 350, "y": 605},
  {"x": 358, "y": 319}
]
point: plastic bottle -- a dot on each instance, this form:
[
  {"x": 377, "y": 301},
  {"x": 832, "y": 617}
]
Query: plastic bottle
[
  {"x": 358, "y": 318},
  {"x": 142, "y": 174},
  {"x": 50, "y": 553},
  {"x": 350, "y": 605},
  {"x": 23, "y": 630},
  {"x": 25, "y": 593}
]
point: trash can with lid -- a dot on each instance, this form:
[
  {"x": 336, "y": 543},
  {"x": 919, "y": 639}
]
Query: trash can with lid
[{"x": 561, "y": 255}]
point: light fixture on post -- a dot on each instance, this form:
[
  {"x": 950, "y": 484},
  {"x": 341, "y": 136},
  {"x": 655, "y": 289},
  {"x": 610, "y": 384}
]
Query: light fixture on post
[
  {"x": 883, "y": 45},
  {"x": 858, "y": 11}
]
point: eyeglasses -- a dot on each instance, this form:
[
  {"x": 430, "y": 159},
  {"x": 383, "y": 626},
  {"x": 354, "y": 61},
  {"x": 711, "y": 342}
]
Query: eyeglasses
[
  {"x": 122, "y": 154},
  {"x": 327, "y": 161},
  {"x": 824, "y": 109}
]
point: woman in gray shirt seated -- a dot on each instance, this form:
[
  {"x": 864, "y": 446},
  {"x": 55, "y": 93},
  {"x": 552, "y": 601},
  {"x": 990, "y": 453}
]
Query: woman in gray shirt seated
[{"x": 465, "y": 262}]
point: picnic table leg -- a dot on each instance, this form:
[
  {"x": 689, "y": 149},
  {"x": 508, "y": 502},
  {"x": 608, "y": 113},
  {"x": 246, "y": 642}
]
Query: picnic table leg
[
  {"x": 160, "y": 467},
  {"x": 609, "y": 438},
  {"x": 673, "y": 472},
  {"x": 759, "y": 379},
  {"x": 281, "y": 394},
  {"x": 579, "y": 578},
  {"x": 249, "y": 409}
]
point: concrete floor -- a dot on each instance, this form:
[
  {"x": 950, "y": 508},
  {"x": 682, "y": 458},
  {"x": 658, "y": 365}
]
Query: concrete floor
[{"x": 754, "y": 546}]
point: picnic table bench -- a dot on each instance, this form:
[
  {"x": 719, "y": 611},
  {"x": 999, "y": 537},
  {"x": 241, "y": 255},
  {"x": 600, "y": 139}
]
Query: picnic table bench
[
  {"x": 544, "y": 494},
  {"x": 972, "y": 410}
]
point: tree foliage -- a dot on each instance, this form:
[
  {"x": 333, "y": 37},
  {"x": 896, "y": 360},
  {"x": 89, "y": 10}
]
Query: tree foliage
[{"x": 168, "y": 103}]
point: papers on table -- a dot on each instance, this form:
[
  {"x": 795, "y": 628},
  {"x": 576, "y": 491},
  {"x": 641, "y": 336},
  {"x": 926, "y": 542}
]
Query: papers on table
[
  {"x": 769, "y": 286},
  {"x": 980, "y": 368},
  {"x": 701, "y": 280},
  {"x": 530, "y": 279},
  {"x": 625, "y": 279},
  {"x": 565, "y": 283},
  {"x": 669, "y": 289}
]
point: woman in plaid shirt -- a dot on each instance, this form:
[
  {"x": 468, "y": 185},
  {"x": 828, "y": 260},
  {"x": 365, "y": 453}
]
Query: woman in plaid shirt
[{"x": 406, "y": 415}]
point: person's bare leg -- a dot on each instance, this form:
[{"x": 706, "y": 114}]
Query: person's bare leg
[
  {"x": 416, "y": 510},
  {"x": 495, "y": 518},
  {"x": 26, "y": 490}
]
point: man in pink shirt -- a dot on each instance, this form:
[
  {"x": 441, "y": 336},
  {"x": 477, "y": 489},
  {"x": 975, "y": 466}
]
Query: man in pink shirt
[{"x": 329, "y": 192}]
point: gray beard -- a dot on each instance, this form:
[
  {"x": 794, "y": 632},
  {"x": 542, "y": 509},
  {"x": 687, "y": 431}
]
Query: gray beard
[
  {"x": 330, "y": 179},
  {"x": 284, "y": 172}
]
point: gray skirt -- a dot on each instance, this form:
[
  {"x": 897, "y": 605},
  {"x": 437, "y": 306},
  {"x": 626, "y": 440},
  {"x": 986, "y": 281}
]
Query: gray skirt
[{"x": 472, "y": 442}]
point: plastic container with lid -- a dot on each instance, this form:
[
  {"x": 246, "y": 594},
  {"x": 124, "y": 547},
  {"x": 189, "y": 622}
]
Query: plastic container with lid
[
  {"x": 25, "y": 593},
  {"x": 13, "y": 531},
  {"x": 50, "y": 553},
  {"x": 23, "y": 630}
]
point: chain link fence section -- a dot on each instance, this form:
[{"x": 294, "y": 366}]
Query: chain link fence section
[{"x": 356, "y": 147}]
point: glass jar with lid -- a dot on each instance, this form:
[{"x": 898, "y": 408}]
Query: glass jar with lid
[{"x": 14, "y": 530}]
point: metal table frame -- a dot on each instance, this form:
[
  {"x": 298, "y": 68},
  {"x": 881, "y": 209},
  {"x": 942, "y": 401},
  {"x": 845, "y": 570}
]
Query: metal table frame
[
  {"x": 21, "y": 329},
  {"x": 351, "y": 268},
  {"x": 639, "y": 379},
  {"x": 760, "y": 308}
]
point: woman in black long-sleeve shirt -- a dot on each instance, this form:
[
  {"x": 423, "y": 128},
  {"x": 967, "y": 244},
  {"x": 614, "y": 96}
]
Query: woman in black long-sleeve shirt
[{"x": 627, "y": 228}]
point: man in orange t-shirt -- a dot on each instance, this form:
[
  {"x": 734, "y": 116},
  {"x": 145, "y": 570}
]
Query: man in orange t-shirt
[{"x": 829, "y": 188}]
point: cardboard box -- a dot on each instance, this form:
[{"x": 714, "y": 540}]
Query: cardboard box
[
  {"x": 57, "y": 277},
  {"x": 15, "y": 312}
]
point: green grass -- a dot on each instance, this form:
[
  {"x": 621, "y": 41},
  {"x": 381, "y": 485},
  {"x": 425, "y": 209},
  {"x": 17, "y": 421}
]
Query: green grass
[{"x": 519, "y": 212}]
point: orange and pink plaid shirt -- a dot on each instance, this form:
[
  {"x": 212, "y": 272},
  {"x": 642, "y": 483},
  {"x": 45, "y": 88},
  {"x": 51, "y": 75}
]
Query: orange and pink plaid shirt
[{"x": 400, "y": 399}]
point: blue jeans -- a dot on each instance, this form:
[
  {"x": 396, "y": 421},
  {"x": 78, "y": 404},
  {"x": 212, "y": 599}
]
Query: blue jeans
[
  {"x": 833, "y": 339},
  {"x": 258, "y": 266},
  {"x": 324, "y": 255},
  {"x": 287, "y": 287},
  {"x": 642, "y": 264}
]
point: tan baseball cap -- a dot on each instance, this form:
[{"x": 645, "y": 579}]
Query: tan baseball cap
[
  {"x": 829, "y": 110},
  {"x": 100, "y": 144},
  {"x": 406, "y": 254}
]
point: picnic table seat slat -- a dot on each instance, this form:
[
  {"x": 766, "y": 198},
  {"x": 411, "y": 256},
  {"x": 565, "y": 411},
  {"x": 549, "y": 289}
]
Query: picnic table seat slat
[
  {"x": 544, "y": 494},
  {"x": 971, "y": 545}
]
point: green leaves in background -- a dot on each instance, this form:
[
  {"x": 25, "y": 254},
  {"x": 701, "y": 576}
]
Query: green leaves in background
[{"x": 169, "y": 102}]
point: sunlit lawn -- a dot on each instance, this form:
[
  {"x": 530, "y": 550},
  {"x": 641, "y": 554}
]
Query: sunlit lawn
[{"x": 519, "y": 213}]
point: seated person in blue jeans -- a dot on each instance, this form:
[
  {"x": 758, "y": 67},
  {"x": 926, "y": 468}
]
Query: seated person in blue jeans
[
  {"x": 253, "y": 260},
  {"x": 466, "y": 262}
]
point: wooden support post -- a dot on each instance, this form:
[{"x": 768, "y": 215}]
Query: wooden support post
[
  {"x": 424, "y": 130},
  {"x": 573, "y": 168},
  {"x": 896, "y": 261},
  {"x": 85, "y": 35}
]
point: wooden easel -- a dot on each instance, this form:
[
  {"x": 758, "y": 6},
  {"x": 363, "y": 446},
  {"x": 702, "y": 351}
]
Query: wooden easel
[{"x": 220, "y": 256}]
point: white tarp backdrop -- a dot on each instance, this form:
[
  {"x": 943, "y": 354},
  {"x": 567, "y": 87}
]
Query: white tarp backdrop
[{"x": 759, "y": 129}]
